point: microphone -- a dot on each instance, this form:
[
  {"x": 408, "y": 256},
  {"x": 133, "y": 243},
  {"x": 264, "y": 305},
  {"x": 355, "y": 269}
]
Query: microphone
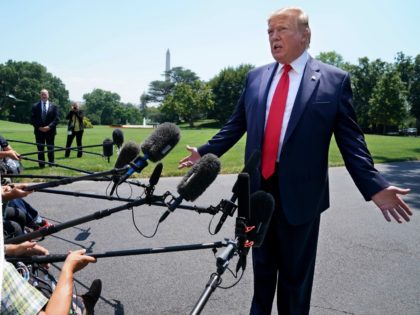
[
  {"x": 118, "y": 137},
  {"x": 242, "y": 218},
  {"x": 262, "y": 208},
  {"x": 229, "y": 206},
  {"x": 155, "y": 147},
  {"x": 107, "y": 148},
  {"x": 195, "y": 182},
  {"x": 128, "y": 153},
  {"x": 154, "y": 179}
]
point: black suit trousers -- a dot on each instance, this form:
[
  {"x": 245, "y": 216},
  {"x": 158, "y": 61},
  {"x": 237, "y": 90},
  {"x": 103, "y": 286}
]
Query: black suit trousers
[
  {"x": 43, "y": 138},
  {"x": 286, "y": 261}
]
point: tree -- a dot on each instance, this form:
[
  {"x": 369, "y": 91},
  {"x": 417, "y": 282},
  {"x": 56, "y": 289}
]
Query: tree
[
  {"x": 388, "y": 102},
  {"x": 158, "y": 90},
  {"x": 189, "y": 101},
  {"x": 414, "y": 92},
  {"x": 227, "y": 87},
  {"x": 364, "y": 77},
  {"x": 404, "y": 65},
  {"x": 25, "y": 80},
  {"x": 100, "y": 106},
  {"x": 331, "y": 58}
]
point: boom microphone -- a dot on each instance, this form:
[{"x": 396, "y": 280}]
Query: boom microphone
[
  {"x": 155, "y": 147},
  {"x": 195, "y": 182},
  {"x": 128, "y": 153},
  {"x": 262, "y": 208},
  {"x": 118, "y": 137},
  {"x": 107, "y": 148},
  {"x": 229, "y": 206}
]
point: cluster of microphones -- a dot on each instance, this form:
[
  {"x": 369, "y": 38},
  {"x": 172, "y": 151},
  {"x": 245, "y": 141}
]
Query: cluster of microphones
[{"x": 254, "y": 210}]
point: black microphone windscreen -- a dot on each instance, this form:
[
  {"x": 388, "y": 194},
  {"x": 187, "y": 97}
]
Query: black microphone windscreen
[
  {"x": 161, "y": 141},
  {"x": 251, "y": 165},
  {"x": 262, "y": 208},
  {"x": 118, "y": 137},
  {"x": 128, "y": 152},
  {"x": 199, "y": 177},
  {"x": 243, "y": 195},
  {"x": 107, "y": 149},
  {"x": 154, "y": 178}
]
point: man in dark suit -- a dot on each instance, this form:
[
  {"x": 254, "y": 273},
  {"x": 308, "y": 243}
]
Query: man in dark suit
[
  {"x": 44, "y": 118},
  {"x": 290, "y": 109}
]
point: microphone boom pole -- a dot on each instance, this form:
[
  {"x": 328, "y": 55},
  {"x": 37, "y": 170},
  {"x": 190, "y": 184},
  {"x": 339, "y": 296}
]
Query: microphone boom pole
[
  {"x": 94, "y": 216},
  {"x": 130, "y": 252}
]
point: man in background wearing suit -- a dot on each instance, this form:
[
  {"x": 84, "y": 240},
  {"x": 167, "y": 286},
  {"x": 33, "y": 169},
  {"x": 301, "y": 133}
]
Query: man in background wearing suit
[
  {"x": 290, "y": 109},
  {"x": 44, "y": 118}
]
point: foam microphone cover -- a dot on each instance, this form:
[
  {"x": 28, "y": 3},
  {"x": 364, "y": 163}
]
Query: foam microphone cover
[
  {"x": 107, "y": 149},
  {"x": 199, "y": 177},
  {"x": 129, "y": 152},
  {"x": 161, "y": 141},
  {"x": 262, "y": 208},
  {"x": 118, "y": 137}
]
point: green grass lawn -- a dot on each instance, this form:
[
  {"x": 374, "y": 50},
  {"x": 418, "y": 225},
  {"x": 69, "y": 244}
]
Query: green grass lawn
[{"x": 383, "y": 148}]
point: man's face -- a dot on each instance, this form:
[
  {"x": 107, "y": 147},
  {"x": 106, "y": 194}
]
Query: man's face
[
  {"x": 287, "y": 40},
  {"x": 44, "y": 96}
]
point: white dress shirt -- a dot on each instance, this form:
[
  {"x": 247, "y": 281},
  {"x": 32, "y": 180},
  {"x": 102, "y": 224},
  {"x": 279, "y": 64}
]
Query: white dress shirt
[{"x": 295, "y": 77}]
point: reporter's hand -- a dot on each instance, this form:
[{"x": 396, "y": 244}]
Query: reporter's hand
[
  {"x": 190, "y": 160},
  {"x": 14, "y": 191},
  {"x": 77, "y": 260},
  {"x": 12, "y": 154},
  {"x": 25, "y": 249}
]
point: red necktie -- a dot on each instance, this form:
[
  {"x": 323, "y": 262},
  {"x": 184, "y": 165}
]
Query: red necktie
[{"x": 274, "y": 123}]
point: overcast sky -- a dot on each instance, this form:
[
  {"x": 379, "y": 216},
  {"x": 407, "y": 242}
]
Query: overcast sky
[{"x": 120, "y": 46}]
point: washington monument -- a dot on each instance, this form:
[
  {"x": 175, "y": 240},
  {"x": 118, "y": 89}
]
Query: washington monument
[{"x": 168, "y": 65}]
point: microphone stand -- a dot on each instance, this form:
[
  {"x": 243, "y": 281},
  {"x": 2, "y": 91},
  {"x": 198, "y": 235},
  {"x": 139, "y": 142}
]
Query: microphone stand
[
  {"x": 131, "y": 252},
  {"x": 94, "y": 216},
  {"x": 222, "y": 262},
  {"x": 238, "y": 246}
]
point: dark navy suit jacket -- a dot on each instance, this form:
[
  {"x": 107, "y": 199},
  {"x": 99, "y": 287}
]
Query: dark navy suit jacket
[
  {"x": 323, "y": 107},
  {"x": 51, "y": 119}
]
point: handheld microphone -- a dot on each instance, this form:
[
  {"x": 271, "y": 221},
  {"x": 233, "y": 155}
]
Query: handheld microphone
[
  {"x": 155, "y": 147},
  {"x": 107, "y": 148},
  {"x": 128, "y": 153},
  {"x": 154, "y": 179},
  {"x": 229, "y": 206},
  {"x": 195, "y": 182},
  {"x": 118, "y": 137}
]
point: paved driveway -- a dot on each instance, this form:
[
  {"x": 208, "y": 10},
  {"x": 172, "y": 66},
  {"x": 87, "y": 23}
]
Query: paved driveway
[{"x": 365, "y": 265}]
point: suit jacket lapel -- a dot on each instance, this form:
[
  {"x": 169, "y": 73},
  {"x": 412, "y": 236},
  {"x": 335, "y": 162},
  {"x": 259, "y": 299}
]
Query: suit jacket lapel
[
  {"x": 266, "y": 78},
  {"x": 309, "y": 83}
]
